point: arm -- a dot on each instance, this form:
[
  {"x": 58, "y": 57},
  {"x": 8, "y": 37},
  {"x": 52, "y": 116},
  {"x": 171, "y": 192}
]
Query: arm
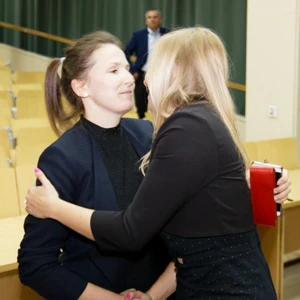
[
  {"x": 161, "y": 289},
  {"x": 165, "y": 285},
  {"x": 41, "y": 246},
  {"x": 142, "y": 211},
  {"x": 163, "y": 189},
  {"x": 129, "y": 50},
  {"x": 93, "y": 292}
]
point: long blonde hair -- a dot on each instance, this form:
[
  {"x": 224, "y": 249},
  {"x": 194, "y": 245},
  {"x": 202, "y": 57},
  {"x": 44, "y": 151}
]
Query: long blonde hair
[{"x": 187, "y": 65}]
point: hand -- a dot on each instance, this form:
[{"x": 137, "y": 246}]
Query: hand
[
  {"x": 40, "y": 199},
  {"x": 283, "y": 189},
  {"x": 124, "y": 293},
  {"x": 137, "y": 295}
]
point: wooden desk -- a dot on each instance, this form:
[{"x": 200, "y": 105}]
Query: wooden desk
[
  {"x": 284, "y": 238},
  {"x": 291, "y": 214},
  {"x": 11, "y": 234},
  {"x": 272, "y": 246}
]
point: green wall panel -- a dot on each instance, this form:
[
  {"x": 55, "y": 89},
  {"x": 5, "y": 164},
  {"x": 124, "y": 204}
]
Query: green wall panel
[{"x": 73, "y": 18}]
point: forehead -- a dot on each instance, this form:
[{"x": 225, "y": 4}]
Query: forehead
[
  {"x": 152, "y": 13},
  {"x": 107, "y": 54}
]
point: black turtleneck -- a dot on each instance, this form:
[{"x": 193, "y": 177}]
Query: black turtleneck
[{"x": 120, "y": 159}]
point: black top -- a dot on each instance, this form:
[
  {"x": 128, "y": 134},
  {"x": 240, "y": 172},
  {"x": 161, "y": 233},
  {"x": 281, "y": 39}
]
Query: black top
[
  {"x": 195, "y": 186},
  {"x": 76, "y": 168},
  {"x": 120, "y": 160},
  {"x": 122, "y": 166}
]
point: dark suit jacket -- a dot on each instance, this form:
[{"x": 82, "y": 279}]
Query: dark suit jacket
[
  {"x": 139, "y": 45},
  {"x": 74, "y": 165}
]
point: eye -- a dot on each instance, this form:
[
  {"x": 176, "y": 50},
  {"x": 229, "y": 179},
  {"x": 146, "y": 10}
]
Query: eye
[{"x": 114, "y": 71}]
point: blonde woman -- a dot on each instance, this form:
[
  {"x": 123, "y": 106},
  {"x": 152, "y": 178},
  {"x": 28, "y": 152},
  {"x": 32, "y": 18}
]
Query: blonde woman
[{"x": 194, "y": 194}]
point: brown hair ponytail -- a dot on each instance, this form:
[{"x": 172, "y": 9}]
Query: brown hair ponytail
[{"x": 76, "y": 65}]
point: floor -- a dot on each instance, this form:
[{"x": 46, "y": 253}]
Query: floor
[{"x": 291, "y": 284}]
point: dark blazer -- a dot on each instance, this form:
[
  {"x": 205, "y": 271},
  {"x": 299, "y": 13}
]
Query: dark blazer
[
  {"x": 139, "y": 45},
  {"x": 74, "y": 165}
]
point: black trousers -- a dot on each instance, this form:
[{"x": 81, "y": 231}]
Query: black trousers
[{"x": 140, "y": 94}]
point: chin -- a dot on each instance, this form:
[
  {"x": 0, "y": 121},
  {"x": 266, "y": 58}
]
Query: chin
[{"x": 127, "y": 108}]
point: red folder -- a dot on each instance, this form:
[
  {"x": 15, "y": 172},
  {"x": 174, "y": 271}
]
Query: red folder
[{"x": 262, "y": 182}]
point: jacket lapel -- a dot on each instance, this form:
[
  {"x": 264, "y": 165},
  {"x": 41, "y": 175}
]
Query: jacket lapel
[{"x": 140, "y": 142}]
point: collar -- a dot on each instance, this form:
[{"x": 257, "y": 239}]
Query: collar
[{"x": 153, "y": 32}]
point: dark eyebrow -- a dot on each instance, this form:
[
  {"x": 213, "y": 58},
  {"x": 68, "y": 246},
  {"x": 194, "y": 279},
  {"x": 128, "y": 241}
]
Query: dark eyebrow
[{"x": 117, "y": 64}]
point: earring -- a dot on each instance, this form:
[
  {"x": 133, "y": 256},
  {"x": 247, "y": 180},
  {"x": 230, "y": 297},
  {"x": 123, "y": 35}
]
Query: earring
[{"x": 85, "y": 94}]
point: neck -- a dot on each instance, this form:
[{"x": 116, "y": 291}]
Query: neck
[
  {"x": 103, "y": 118},
  {"x": 154, "y": 29}
]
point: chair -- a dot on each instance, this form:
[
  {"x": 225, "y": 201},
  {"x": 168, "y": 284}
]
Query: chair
[
  {"x": 28, "y": 155},
  {"x": 6, "y": 96},
  {"x": 5, "y": 78},
  {"x": 5, "y": 105},
  {"x": 28, "y": 123},
  {"x": 31, "y": 104},
  {"x": 32, "y": 77},
  {"x": 3, "y": 159},
  {"x": 35, "y": 136},
  {"x": 9, "y": 204},
  {"x": 5, "y": 117},
  {"x": 16, "y": 88},
  {"x": 4, "y": 141},
  {"x": 25, "y": 178}
]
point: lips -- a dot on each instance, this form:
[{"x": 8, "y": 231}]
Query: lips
[{"x": 127, "y": 92}]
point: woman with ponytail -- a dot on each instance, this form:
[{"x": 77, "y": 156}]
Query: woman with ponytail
[
  {"x": 94, "y": 164},
  {"x": 195, "y": 194}
]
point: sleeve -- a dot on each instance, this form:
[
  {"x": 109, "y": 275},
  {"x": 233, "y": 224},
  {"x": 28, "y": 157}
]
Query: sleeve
[
  {"x": 41, "y": 246},
  {"x": 129, "y": 50},
  {"x": 184, "y": 160}
]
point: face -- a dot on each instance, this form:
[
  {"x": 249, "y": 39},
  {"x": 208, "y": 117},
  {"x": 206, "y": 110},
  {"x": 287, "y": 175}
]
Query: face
[
  {"x": 110, "y": 85},
  {"x": 150, "y": 105},
  {"x": 153, "y": 19}
]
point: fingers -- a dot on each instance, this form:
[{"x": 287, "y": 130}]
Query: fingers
[
  {"x": 124, "y": 293},
  {"x": 133, "y": 295},
  {"x": 283, "y": 189},
  {"x": 284, "y": 178},
  {"x": 42, "y": 177},
  {"x": 281, "y": 197}
]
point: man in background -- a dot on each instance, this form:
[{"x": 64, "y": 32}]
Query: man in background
[{"x": 141, "y": 44}]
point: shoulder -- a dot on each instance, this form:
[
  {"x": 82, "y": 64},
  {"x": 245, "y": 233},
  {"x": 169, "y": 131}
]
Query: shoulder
[
  {"x": 140, "y": 32},
  {"x": 196, "y": 120},
  {"x": 72, "y": 143},
  {"x": 164, "y": 30},
  {"x": 138, "y": 126},
  {"x": 189, "y": 118}
]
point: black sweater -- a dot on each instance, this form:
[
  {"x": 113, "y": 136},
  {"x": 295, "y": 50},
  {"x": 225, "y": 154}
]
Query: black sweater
[{"x": 195, "y": 186}]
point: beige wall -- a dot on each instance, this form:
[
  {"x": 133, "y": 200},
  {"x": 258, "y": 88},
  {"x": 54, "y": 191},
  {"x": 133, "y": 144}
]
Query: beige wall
[
  {"x": 23, "y": 60},
  {"x": 272, "y": 72}
]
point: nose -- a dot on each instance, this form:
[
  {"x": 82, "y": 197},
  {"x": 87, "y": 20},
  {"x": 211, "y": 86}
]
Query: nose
[{"x": 129, "y": 78}]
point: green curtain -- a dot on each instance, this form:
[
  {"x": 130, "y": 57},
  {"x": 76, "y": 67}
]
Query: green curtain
[{"x": 73, "y": 18}]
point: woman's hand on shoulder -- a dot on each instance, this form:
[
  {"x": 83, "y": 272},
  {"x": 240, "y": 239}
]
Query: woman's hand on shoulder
[{"x": 41, "y": 200}]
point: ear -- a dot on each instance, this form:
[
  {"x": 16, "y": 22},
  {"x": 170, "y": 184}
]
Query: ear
[{"x": 80, "y": 88}]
